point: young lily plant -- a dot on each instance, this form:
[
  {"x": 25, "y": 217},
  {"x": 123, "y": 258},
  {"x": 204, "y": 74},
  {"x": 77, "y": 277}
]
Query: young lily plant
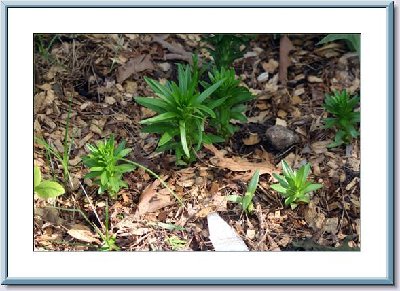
[
  {"x": 246, "y": 201},
  {"x": 293, "y": 185},
  {"x": 104, "y": 161},
  {"x": 345, "y": 119},
  {"x": 226, "y": 48},
  {"x": 181, "y": 113},
  {"x": 234, "y": 96}
]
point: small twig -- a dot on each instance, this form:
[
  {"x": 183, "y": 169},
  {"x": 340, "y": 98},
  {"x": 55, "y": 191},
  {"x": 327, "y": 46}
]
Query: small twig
[{"x": 91, "y": 204}]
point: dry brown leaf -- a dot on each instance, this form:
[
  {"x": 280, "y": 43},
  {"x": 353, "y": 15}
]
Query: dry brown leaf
[
  {"x": 284, "y": 61},
  {"x": 252, "y": 139},
  {"x": 320, "y": 147},
  {"x": 134, "y": 65},
  {"x": 259, "y": 118},
  {"x": 152, "y": 200},
  {"x": 271, "y": 66},
  {"x": 237, "y": 164},
  {"x": 83, "y": 233}
]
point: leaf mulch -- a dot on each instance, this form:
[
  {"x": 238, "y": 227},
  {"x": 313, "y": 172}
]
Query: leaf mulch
[{"x": 101, "y": 73}]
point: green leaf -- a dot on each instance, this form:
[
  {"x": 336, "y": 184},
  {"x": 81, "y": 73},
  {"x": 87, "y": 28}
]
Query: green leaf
[
  {"x": 37, "y": 176},
  {"x": 234, "y": 198},
  {"x": 246, "y": 202},
  {"x": 166, "y": 137},
  {"x": 212, "y": 138},
  {"x": 281, "y": 180},
  {"x": 182, "y": 128},
  {"x": 279, "y": 188},
  {"x": 287, "y": 171},
  {"x": 156, "y": 105},
  {"x": 206, "y": 109},
  {"x": 312, "y": 187},
  {"x": 104, "y": 178},
  {"x": 96, "y": 169},
  {"x": 302, "y": 174},
  {"x": 49, "y": 189},
  {"x": 253, "y": 183},
  {"x": 159, "y": 118},
  {"x": 123, "y": 153},
  {"x": 124, "y": 168},
  {"x": 92, "y": 175},
  {"x": 208, "y": 92}
]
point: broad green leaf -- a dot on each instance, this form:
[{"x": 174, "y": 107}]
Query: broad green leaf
[
  {"x": 238, "y": 116},
  {"x": 216, "y": 103},
  {"x": 287, "y": 171},
  {"x": 124, "y": 168},
  {"x": 234, "y": 198},
  {"x": 159, "y": 118},
  {"x": 211, "y": 138},
  {"x": 49, "y": 189},
  {"x": 166, "y": 137},
  {"x": 279, "y": 188},
  {"x": 120, "y": 147},
  {"x": 208, "y": 92},
  {"x": 92, "y": 175},
  {"x": 162, "y": 91},
  {"x": 37, "y": 176},
  {"x": 246, "y": 202},
  {"x": 281, "y": 180},
  {"x": 182, "y": 128},
  {"x": 103, "y": 178},
  {"x": 302, "y": 174},
  {"x": 253, "y": 183},
  {"x": 312, "y": 187},
  {"x": 154, "y": 104},
  {"x": 123, "y": 153},
  {"x": 206, "y": 109},
  {"x": 96, "y": 169}
]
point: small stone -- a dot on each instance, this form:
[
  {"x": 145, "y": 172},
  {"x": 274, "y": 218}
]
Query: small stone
[
  {"x": 280, "y": 137},
  {"x": 262, "y": 77},
  {"x": 164, "y": 66}
]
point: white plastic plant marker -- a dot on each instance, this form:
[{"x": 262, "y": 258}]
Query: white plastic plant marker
[{"x": 223, "y": 236}]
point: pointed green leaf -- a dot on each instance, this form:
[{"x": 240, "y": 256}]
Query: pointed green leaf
[
  {"x": 253, "y": 183},
  {"x": 166, "y": 137},
  {"x": 234, "y": 198},
  {"x": 208, "y": 92},
  {"x": 124, "y": 168},
  {"x": 37, "y": 176},
  {"x": 182, "y": 128},
  {"x": 156, "y": 105},
  {"x": 279, "y": 188},
  {"x": 159, "y": 118},
  {"x": 312, "y": 187}
]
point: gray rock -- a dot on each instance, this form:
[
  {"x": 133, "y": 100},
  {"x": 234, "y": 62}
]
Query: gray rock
[{"x": 280, "y": 137}]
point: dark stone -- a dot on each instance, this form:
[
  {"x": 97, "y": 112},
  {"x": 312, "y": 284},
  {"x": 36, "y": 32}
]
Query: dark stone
[{"x": 280, "y": 137}]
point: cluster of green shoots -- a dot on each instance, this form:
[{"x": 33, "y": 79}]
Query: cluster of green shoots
[
  {"x": 345, "y": 119},
  {"x": 191, "y": 113}
]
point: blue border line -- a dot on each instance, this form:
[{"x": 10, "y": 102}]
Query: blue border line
[
  {"x": 390, "y": 154},
  {"x": 195, "y": 281},
  {"x": 211, "y": 4},
  {"x": 4, "y": 150},
  {"x": 389, "y": 5}
]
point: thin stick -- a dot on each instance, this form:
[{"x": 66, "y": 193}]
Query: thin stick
[{"x": 91, "y": 205}]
